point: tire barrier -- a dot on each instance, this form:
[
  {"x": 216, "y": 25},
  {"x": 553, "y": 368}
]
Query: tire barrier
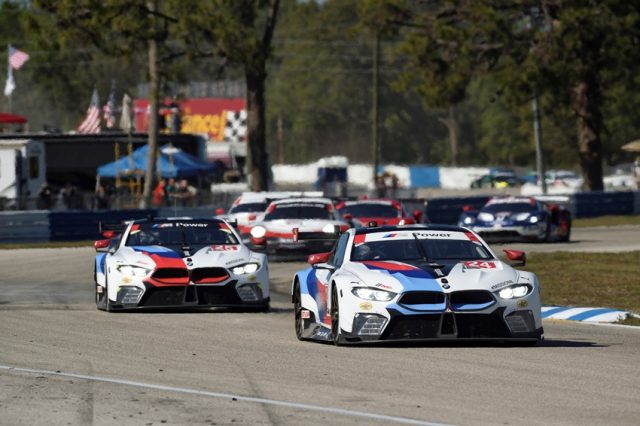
[{"x": 81, "y": 225}]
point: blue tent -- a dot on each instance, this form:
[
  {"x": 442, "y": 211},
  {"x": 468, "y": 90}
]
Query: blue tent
[{"x": 172, "y": 163}]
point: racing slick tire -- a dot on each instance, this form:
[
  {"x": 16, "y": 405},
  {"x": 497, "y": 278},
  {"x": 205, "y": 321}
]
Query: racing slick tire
[
  {"x": 566, "y": 238},
  {"x": 262, "y": 308},
  {"x": 107, "y": 302},
  {"x": 297, "y": 311},
  {"x": 338, "y": 340},
  {"x": 101, "y": 302}
]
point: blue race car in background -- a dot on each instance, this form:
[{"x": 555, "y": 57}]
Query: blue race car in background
[{"x": 518, "y": 218}]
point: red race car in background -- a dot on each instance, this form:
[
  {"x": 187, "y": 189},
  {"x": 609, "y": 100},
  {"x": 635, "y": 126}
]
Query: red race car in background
[{"x": 380, "y": 210}]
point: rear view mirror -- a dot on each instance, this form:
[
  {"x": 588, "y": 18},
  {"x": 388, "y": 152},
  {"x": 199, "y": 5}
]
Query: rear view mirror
[
  {"x": 518, "y": 257},
  {"x": 219, "y": 211},
  {"x": 102, "y": 245},
  {"x": 316, "y": 258}
]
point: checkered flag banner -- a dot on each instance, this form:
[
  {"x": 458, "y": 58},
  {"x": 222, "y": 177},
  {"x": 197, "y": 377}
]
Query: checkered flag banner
[{"x": 236, "y": 128}]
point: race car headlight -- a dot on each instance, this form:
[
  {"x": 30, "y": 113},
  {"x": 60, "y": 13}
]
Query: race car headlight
[
  {"x": 329, "y": 229},
  {"x": 514, "y": 292},
  {"x": 522, "y": 216},
  {"x": 132, "y": 271},
  {"x": 534, "y": 219},
  {"x": 258, "y": 232},
  {"x": 468, "y": 220},
  {"x": 248, "y": 268},
  {"x": 485, "y": 217},
  {"x": 367, "y": 293}
]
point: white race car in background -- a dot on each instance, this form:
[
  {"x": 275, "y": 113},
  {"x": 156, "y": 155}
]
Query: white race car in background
[
  {"x": 250, "y": 208},
  {"x": 415, "y": 282},
  {"x": 314, "y": 217},
  {"x": 179, "y": 263}
]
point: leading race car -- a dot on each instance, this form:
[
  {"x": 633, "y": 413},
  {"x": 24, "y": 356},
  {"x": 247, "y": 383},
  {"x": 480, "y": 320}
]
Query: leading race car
[
  {"x": 519, "y": 218},
  {"x": 415, "y": 282},
  {"x": 179, "y": 263}
]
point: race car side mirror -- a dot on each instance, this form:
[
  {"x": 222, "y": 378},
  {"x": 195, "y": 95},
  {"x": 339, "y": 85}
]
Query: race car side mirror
[
  {"x": 102, "y": 245},
  {"x": 316, "y": 258},
  {"x": 219, "y": 211},
  {"x": 417, "y": 215},
  {"x": 259, "y": 243},
  {"x": 347, "y": 216},
  {"x": 518, "y": 257}
]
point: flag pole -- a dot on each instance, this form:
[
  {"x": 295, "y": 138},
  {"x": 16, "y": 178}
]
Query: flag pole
[{"x": 9, "y": 71}]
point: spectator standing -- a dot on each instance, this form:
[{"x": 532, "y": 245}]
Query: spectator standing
[
  {"x": 160, "y": 194},
  {"x": 100, "y": 198},
  {"x": 170, "y": 191},
  {"x": 68, "y": 196},
  {"x": 176, "y": 119},
  {"x": 45, "y": 197}
]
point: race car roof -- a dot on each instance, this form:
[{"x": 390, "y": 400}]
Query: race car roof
[
  {"x": 177, "y": 219},
  {"x": 391, "y": 228},
  {"x": 302, "y": 200}
]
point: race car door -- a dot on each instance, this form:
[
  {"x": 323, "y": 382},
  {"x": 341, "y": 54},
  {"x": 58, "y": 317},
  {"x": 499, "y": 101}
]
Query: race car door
[{"x": 324, "y": 275}]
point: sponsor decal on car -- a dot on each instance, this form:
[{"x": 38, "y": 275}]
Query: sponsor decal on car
[
  {"x": 502, "y": 284},
  {"x": 222, "y": 247},
  {"x": 385, "y": 286},
  {"x": 366, "y": 306},
  {"x": 522, "y": 303},
  {"x": 305, "y": 314},
  {"x": 477, "y": 264}
]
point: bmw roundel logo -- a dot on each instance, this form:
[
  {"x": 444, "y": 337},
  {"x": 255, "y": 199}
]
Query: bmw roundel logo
[{"x": 446, "y": 286}]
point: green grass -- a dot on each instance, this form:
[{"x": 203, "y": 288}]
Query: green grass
[
  {"x": 609, "y": 280},
  {"x": 630, "y": 320},
  {"x": 51, "y": 244},
  {"x": 607, "y": 221}
]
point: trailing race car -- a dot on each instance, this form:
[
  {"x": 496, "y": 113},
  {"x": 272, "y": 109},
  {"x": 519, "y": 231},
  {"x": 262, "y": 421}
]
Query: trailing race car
[
  {"x": 183, "y": 263},
  {"x": 519, "y": 218},
  {"x": 249, "y": 208},
  {"x": 314, "y": 217},
  {"x": 415, "y": 282},
  {"x": 381, "y": 211}
]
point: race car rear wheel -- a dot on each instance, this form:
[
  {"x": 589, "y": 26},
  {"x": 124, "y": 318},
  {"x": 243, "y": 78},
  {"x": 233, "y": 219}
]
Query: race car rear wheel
[
  {"x": 297, "y": 310},
  {"x": 335, "y": 318}
]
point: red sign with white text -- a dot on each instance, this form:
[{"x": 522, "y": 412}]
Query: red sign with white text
[{"x": 201, "y": 115}]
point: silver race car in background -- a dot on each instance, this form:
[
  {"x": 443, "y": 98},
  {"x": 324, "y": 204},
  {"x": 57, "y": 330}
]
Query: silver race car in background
[
  {"x": 415, "y": 282},
  {"x": 179, "y": 263}
]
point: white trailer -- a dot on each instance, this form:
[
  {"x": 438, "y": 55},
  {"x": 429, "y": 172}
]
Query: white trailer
[{"x": 22, "y": 168}]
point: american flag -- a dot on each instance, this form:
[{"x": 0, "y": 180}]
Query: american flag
[
  {"x": 17, "y": 58},
  {"x": 110, "y": 109},
  {"x": 91, "y": 123}
]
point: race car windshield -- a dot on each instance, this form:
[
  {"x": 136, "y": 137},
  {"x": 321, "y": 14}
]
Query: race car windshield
[
  {"x": 406, "y": 250},
  {"x": 180, "y": 234},
  {"x": 299, "y": 211},
  {"x": 370, "y": 210},
  {"x": 509, "y": 207},
  {"x": 249, "y": 208}
]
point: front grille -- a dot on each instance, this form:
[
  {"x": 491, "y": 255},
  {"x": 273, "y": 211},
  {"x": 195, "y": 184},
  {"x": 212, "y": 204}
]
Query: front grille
[
  {"x": 481, "y": 325},
  {"x": 171, "y": 275},
  {"x": 413, "y": 327},
  {"x": 163, "y": 296},
  {"x": 471, "y": 297},
  {"x": 422, "y": 298},
  {"x": 209, "y": 275}
]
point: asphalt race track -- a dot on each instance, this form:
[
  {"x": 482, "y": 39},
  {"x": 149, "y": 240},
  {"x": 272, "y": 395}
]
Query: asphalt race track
[{"x": 63, "y": 362}]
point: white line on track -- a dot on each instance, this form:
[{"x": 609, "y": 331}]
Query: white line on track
[{"x": 373, "y": 416}]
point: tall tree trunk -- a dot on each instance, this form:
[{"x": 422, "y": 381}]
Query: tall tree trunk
[
  {"x": 589, "y": 123},
  {"x": 152, "y": 155},
  {"x": 452, "y": 126},
  {"x": 257, "y": 163}
]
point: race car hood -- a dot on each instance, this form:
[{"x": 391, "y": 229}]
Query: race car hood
[
  {"x": 399, "y": 276},
  {"x": 364, "y": 220},
  {"x": 164, "y": 257}
]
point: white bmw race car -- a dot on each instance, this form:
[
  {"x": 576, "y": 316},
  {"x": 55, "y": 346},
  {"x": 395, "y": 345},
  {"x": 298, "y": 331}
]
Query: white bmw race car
[
  {"x": 179, "y": 263},
  {"x": 415, "y": 282}
]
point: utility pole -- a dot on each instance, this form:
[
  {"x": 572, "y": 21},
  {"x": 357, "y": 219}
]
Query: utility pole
[
  {"x": 375, "y": 138},
  {"x": 537, "y": 132}
]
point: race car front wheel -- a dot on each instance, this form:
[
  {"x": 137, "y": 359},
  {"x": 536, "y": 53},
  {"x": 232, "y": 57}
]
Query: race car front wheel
[
  {"x": 101, "y": 298},
  {"x": 335, "y": 318},
  {"x": 297, "y": 310}
]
